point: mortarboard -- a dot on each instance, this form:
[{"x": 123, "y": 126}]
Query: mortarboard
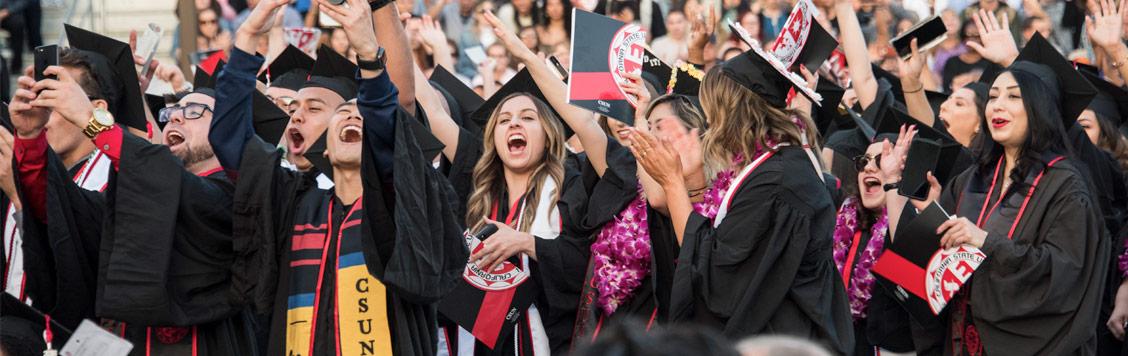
[
  {"x": 289, "y": 70},
  {"x": 333, "y": 72},
  {"x": 269, "y": 120},
  {"x": 656, "y": 72},
  {"x": 204, "y": 83},
  {"x": 1082, "y": 67},
  {"x": 316, "y": 155},
  {"x": 764, "y": 75},
  {"x": 687, "y": 80},
  {"x": 825, "y": 115},
  {"x": 949, "y": 157},
  {"x": 894, "y": 82},
  {"x": 156, "y": 103},
  {"x": 1041, "y": 59},
  {"x": 1111, "y": 101},
  {"x": 820, "y": 44},
  {"x": 522, "y": 82},
  {"x": 468, "y": 101},
  {"x": 115, "y": 73}
]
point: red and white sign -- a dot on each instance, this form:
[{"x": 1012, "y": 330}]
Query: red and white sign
[
  {"x": 305, "y": 38},
  {"x": 948, "y": 270},
  {"x": 628, "y": 47},
  {"x": 794, "y": 34}
]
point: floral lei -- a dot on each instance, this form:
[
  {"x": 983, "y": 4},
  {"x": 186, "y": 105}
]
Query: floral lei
[
  {"x": 621, "y": 252},
  {"x": 1123, "y": 260},
  {"x": 861, "y": 281}
]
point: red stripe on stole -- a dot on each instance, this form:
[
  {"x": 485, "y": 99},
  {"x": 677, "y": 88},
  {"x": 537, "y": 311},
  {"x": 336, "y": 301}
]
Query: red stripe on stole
[
  {"x": 309, "y": 241},
  {"x": 304, "y": 227},
  {"x": 305, "y": 262},
  {"x": 351, "y": 223},
  {"x": 491, "y": 315}
]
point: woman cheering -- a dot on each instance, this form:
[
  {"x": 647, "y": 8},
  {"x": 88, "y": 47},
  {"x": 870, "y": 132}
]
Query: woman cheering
[{"x": 764, "y": 263}]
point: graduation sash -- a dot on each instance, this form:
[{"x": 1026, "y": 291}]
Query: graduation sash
[
  {"x": 744, "y": 173},
  {"x": 493, "y": 304},
  {"x": 360, "y": 310},
  {"x": 94, "y": 175}
]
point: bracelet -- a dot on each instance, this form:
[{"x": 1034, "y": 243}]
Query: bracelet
[
  {"x": 1117, "y": 64},
  {"x": 917, "y": 90}
]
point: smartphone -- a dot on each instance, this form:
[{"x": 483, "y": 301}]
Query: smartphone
[
  {"x": 147, "y": 46},
  {"x": 45, "y": 56},
  {"x": 559, "y": 67},
  {"x": 928, "y": 33},
  {"x": 476, "y": 54},
  {"x": 922, "y": 158}
]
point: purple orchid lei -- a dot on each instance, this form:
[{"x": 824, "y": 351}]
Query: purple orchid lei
[
  {"x": 1123, "y": 260},
  {"x": 621, "y": 254},
  {"x": 861, "y": 281}
]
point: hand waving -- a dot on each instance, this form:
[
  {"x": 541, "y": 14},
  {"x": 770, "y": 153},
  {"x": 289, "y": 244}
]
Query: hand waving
[
  {"x": 700, "y": 30},
  {"x": 998, "y": 44},
  {"x": 1106, "y": 26},
  {"x": 512, "y": 43},
  {"x": 893, "y": 155}
]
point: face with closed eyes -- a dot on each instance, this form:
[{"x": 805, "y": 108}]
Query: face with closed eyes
[
  {"x": 519, "y": 135},
  {"x": 1088, "y": 121},
  {"x": 666, "y": 125},
  {"x": 346, "y": 132},
  {"x": 961, "y": 116},
  {"x": 1006, "y": 114},
  {"x": 315, "y": 109}
]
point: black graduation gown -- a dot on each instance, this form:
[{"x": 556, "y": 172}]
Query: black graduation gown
[
  {"x": 411, "y": 240},
  {"x": 166, "y": 255},
  {"x": 1039, "y": 293},
  {"x": 561, "y": 262},
  {"x": 768, "y": 268},
  {"x": 887, "y": 323}
]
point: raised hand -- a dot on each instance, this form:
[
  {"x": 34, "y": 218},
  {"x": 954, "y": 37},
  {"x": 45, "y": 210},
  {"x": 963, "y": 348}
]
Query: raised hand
[
  {"x": 636, "y": 87},
  {"x": 63, "y": 96},
  {"x": 28, "y": 120},
  {"x": 138, "y": 60},
  {"x": 893, "y": 156},
  {"x": 997, "y": 42},
  {"x": 356, "y": 19},
  {"x": 1105, "y": 27},
  {"x": 700, "y": 30},
  {"x": 512, "y": 43},
  {"x": 171, "y": 74},
  {"x": 262, "y": 17},
  {"x": 934, "y": 189},
  {"x": 432, "y": 33},
  {"x": 911, "y": 68}
]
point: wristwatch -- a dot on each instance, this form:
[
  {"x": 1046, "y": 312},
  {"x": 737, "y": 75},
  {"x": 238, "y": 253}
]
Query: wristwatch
[
  {"x": 891, "y": 186},
  {"x": 373, "y": 65},
  {"x": 100, "y": 121}
]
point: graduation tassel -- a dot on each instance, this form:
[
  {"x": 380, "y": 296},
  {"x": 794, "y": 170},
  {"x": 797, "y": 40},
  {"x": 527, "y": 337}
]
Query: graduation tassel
[{"x": 48, "y": 336}]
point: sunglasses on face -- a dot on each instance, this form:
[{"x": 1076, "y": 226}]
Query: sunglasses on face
[
  {"x": 860, "y": 162},
  {"x": 190, "y": 112}
]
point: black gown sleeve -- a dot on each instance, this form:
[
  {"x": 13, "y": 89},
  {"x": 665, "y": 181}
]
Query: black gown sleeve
[
  {"x": 166, "y": 251},
  {"x": 414, "y": 243}
]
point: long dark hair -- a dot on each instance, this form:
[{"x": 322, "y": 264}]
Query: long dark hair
[
  {"x": 537, "y": 13},
  {"x": 1112, "y": 141},
  {"x": 544, "y": 21},
  {"x": 1045, "y": 132}
]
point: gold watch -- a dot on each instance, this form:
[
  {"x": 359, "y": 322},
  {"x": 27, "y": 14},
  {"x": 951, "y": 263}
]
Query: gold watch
[{"x": 101, "y": 120}]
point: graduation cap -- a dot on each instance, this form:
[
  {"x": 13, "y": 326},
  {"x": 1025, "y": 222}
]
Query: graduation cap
[
  {"x": 1041, "y": 59},
  {"x": 14, "y": 308},
  {"x": 289, "y": 70},
  {"x": 204, "y": 82},
  {"x": 936, "y": 99},
  {"x": 466, "y": 99},
  {"x": 686, "y": 82},
  {"x": 333, "y": 72},
  {"x": 156, "y": 103},
  {"x": 820, "y": 44},
  {"x": 936, "y": 151},
  {"x": 269, "y": 120},
  {"x": 521, "y": 83},
  {"x": 893, "y": 80},
  {"x": 829, "y": 112},
  {"x": 1111, "y": 101},
  {"x": 764, "y": 75},
  {"x": 111, "y": 62},
  {"x": 316, "y": 155},
  {"x": 656, "y": 72},
  {"x": 1087, "y": 68}
]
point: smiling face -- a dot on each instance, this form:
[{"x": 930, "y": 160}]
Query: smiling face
[
  {"x": 346, "y": 130},
  {"x": 1006, "y": 115},
  {"x": 620, "y": 131},
  {"x": 519, "y": 134},
  {"x": 1088, "y": 121},
  {"x": 315, "y": 109},
  {"x": 869, "y": 181},
  {"x": 961, "y": 116},
  {"x": 188, "y": 138}
]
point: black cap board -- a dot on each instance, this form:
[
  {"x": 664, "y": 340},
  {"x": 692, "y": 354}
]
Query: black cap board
[
  {"x": 656, "y": 72},
  {"x": 289, "y": 70},
  {"x": 685, "y": 82},
  {"x": 468, "y": 101},
  {"x": 935, "y": 99},
  {"x": 522, "y": 82},
  {"x": 1087, "y": 68},
  {"x": 764, "y": 74},
  {"x": 820, "y": 44},
  {"x": 333, "y": 72},
  {"x": 269, "y": 120},
  {"x": 945, "y": 159},
  {"x": 1111, "y": 101},
  {"x": 115, "y": 73},
  {"x": 825, "y": 115},
  {"x": 893, "y": 80},
  {"x": 1043, "y": 60},
  {"x": 316, "y": 155},
  {"x": 204, "y": 83},
  {"x": 157, "y": 102}
]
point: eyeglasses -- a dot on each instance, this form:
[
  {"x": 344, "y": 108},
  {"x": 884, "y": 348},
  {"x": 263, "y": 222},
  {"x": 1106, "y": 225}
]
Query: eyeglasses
[
  {"x": 860, "y": 162},
  {"x": 190, "y": 112}
]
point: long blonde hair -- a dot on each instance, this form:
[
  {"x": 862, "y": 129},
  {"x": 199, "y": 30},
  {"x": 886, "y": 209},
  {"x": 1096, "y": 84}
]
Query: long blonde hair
[
  {"x": 740, "y": 121},
  {"x": 489, "y": 177}
]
